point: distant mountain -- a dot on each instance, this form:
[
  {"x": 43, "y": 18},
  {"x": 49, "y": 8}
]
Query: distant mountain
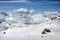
[
  {"x": 3, "y": 13},
  {"x": 3, "y": 16},
  {"x": 51, "y": 15}
]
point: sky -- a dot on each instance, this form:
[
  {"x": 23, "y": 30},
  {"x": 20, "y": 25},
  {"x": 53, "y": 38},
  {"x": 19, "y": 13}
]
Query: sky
[{"x": 37, "y": 5}]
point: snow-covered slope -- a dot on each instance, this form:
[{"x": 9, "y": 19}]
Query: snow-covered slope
[
  {"x": 33, "y": 32},
  {"x": 24, "y": 24}
]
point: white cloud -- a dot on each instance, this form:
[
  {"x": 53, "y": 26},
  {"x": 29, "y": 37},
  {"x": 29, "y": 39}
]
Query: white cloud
[
  {"x": 24, "y": 10},
  {"x": 50, "y": 2},
  {"x": 28, "y": 1},
  {"x": 21, "y": 10},
  {"x": 22, "y": 0},
  {"x": 32, "y": 11},
  {"x": 13, "y": 1},
  {"x": 19, "y": 1}
]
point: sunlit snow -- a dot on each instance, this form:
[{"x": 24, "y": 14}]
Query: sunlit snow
[{"x": 25, "y": 24}]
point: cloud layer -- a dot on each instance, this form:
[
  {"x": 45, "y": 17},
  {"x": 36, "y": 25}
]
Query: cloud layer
[
  {"x": 32, "y": 1},
  {"x": 22, "y": 10}
]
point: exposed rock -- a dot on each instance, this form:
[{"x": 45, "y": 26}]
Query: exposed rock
[
  {"x": 6, "y": 28},
  {"x": 0, "y": 22},
  {"x": 42, "y": 36},
  {"x": 45, "y": 31},
  {"x": 53, "y": 18},
  {"x": 4, "y": 32},
  {"x": 3, "y": 28}
]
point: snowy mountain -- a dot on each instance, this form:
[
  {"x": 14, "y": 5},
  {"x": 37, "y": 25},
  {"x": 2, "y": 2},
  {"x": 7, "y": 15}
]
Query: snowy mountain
[
  {"x": 24, "y": 24},
  {"x": 3, "y": 16}
]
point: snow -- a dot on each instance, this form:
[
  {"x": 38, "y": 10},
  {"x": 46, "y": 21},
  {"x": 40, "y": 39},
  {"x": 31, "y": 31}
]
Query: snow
[{"x": 22, "y": 26}]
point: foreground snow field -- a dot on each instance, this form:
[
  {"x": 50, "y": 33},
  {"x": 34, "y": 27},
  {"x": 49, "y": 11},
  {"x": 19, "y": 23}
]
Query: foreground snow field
[
  {"x": 33, "y": 32},
  {"x": 20, "y": 26}
]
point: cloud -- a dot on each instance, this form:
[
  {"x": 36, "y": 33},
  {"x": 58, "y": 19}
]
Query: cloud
[
  {"x": 22, "y": 10},
  {"x": 50, "y": 2},
  {"x": 32, "y": 11},
  {"x": 30, "y": 1},
  {"x": 19, "y": 1},
  {"x": 22, "y": 0},
  {"x": 11, "y": 1}
]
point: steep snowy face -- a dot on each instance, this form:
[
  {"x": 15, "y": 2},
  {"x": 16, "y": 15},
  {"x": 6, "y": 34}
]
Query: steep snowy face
[
  {"x": 39, "y": 18},
  {"x": 3, "y": 16},
  {"x": 26, "y": 16},
  {"x": 52, "y": 14},
  {"x": 20, "y": 15}
]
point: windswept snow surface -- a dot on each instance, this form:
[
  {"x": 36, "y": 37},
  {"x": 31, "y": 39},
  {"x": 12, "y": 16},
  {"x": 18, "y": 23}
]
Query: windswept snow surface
[{"x": 24, "y": 24}]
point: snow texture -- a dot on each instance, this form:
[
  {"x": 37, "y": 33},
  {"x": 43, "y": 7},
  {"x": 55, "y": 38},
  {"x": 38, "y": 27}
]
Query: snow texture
[{"x": 24, "y": 24}]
